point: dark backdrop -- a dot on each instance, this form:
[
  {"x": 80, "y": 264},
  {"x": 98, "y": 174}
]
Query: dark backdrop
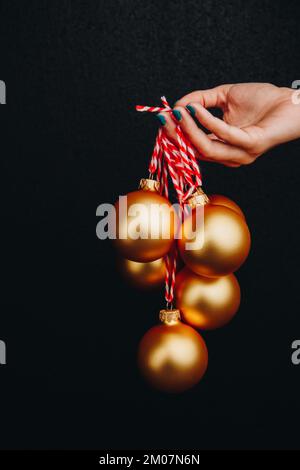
[{"x": 70, "y": 140}]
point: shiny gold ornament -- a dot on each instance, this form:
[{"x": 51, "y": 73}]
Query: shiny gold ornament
[
  {"x": 204, "y": 302},
  {"x": 172, "y": 356},
  {"x": 145, "y": 227},
  {"x": 144, "y": 275},
  {"x": 219, "y": 200},
  {"x": 220, "y": 244}
]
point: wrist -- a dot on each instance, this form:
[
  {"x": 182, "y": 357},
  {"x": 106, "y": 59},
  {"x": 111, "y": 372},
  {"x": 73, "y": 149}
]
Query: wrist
[
  {"x": 288, "y": 119},
  {"x": 293, "y": 97}
]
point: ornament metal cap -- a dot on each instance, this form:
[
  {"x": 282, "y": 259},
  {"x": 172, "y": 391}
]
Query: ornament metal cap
[
  {"x": 147, "y": 184},
  {"x": 198, "y": 198},
  {"x": 169, "y": 317}
]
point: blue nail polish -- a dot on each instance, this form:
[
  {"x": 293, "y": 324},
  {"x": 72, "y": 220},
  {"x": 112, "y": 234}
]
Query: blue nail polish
[
  {"x": 161, "y": 119},
  {"x": 177, "y": 114},
  {"x": 191, "y": 110}
]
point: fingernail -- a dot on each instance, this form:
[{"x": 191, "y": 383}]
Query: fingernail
[
  {"x": 161, "y": 118},
  {"x": 191, "y": 110},
  {"x": 177, "y": 114}
]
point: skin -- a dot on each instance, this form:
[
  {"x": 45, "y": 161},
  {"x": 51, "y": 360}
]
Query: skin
[{"x": 256, "y": 117}]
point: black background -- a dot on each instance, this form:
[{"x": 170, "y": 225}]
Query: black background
[{"x": 70, "y": 140}]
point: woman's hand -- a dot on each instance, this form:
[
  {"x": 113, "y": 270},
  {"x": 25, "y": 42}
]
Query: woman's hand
[{"x": 256, "y": 117}]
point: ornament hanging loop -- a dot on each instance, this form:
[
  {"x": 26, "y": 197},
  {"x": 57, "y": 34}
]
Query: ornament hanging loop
[
  {"x": 169, "y": 317},
  {"x": 178, "y": 163}
]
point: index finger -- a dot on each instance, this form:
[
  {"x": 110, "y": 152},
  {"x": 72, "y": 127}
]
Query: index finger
[{"x": 211, "y": 98}]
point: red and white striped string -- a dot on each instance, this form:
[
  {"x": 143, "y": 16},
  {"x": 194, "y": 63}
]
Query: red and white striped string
[
  {"x": 170, "y": 277},
  {"x": 180, "y": 160},
  {"x": 180, "y": 164}
]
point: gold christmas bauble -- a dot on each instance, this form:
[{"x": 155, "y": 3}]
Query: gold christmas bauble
[
  {"x": 219, "y": 200},
  {"x": 219, "y": 245},
  {"x": 143, "y": 275},
  {"x": 172, "y": 356},
  {"x": 204, "y": 302},
  {"x": 145, "y": 226}
]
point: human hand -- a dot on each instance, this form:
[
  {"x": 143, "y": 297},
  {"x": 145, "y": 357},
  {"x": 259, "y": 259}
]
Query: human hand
[{"x": 256, "y": 117}]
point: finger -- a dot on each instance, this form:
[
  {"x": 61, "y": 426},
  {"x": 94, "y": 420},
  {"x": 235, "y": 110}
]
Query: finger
[
  {"x": 232, "y": 134},
  {"x": 168, "y": 125},
  {"x": 232, "y": 165},
  {"x": 196, "y": 136},
  {"x": 207, "y": 147},
  {"x": 212, "y": 98},
  {"x": 213, "y": 137},
  {"x": 227, "y": 163}
]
